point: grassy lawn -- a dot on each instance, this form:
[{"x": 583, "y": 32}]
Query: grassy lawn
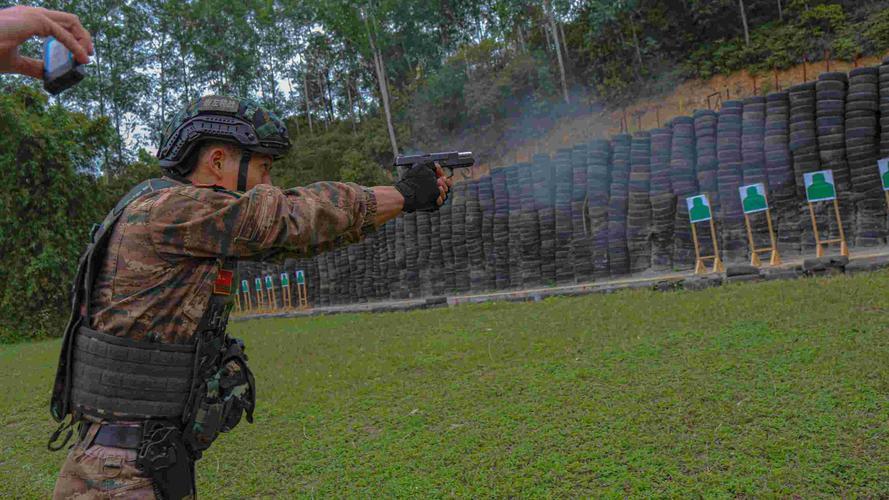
[{"x": 770, "y": 389}]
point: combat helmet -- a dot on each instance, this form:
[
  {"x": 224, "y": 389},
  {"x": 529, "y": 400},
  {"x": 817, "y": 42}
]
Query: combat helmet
[{"x": 241, "y": 122}]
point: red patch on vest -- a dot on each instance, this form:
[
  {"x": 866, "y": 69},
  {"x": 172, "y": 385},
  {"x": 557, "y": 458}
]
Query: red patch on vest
[{"x": 224, "y": 280}]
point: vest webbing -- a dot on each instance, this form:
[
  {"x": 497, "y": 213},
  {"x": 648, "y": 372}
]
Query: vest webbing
[
  {"x": 61, "y": 403},
  {"x": 116, "y": 378}
]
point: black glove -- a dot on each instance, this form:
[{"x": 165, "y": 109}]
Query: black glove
[{"x": 419, "y": 186}]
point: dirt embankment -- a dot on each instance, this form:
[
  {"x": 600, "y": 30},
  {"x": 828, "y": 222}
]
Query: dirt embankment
[{"x": 654, "y": 111}]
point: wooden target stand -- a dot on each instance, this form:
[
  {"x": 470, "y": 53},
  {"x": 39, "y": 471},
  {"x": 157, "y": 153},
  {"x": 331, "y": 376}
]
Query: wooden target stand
[
  {"x": 286, "y": 301},
  {"x": 302, "y": 295},
  {"x": 260, "y": 298},
  {"x": 272, "y": 296},
  {"x": 775, "y": 260},
  {"x": 819, "y": 243},
  {"x": 700, "y": 268},
  {"x": 248, "y": 304}
]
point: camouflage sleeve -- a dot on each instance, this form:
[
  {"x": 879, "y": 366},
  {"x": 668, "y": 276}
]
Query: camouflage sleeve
[{"x": 201, "y": 222}]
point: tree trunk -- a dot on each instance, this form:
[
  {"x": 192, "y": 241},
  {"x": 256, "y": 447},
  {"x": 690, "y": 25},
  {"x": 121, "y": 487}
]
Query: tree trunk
[
  {"x": 163, "y": 83},
  {"x": 623, "y": 42},
  {"x": 564, "y": 43},
  {"x": 384, "y": 90},
  {"x": 351, "y": 104},
  {"x": 744, "y": 22},
  {"x": 555, "y": 31},
  {"x": 329, "y": 96},
  {"x": 306, "y": 97},
  {"x": 780, "y": 11},
  {"x": 636, "y": 44},
  {"x": 520, "y": 34},
  {"x": 323, "y": 102}
]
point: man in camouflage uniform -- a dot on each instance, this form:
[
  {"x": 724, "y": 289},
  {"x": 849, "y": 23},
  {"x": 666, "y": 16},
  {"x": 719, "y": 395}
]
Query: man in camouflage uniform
[{"x": 169, "y": 256}]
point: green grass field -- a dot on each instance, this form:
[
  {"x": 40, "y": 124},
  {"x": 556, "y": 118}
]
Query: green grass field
[{"x": 770, "y": 389}]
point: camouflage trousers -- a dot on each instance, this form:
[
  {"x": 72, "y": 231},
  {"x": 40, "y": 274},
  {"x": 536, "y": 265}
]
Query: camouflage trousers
[{"x": 97, "y": 472}]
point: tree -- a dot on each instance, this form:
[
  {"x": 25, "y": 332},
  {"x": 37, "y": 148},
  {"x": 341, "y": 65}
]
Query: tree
[
  {"x": 45, "y": 149},
  {"x": 382, "y": 78},
  {"x": 744, "y": 22},
  {"x": 555, "y": 34}
]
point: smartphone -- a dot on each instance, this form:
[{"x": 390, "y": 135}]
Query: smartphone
[{"x": 60, "y": 70}]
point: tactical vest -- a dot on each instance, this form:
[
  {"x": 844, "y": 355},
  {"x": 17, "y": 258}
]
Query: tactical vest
[{"x": 113, "y": 378}]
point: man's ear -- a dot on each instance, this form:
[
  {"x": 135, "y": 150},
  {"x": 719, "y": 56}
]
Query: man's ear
[{"x": 216, "y": 159}]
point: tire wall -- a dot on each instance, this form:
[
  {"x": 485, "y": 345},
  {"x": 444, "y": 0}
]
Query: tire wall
[{"x": 612, "y": 207}]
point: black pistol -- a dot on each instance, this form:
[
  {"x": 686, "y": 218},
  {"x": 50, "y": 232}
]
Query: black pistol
[{"x": 449, "y": 161}]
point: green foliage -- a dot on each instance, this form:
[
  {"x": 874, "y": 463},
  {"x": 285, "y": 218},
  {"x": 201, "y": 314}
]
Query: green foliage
[
  {"x": 812, "y": 29},
  {"x": 48, "y": 201},
  {"x": 340, "y": 153},
  {"x": 481, "y": 84},
  {"x": 764, "y": 390},
  {"x": 875, "y": 32}
]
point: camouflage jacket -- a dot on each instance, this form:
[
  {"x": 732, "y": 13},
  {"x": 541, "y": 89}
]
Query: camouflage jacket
[{"x": 165, "y": 253}]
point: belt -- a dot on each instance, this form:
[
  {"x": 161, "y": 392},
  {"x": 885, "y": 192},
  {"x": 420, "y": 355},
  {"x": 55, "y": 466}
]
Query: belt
[{"x": 119, "y": 436}]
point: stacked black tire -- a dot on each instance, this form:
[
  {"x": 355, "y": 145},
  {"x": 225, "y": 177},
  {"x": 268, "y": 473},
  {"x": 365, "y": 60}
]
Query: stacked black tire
[
  {"x": 729, "y": 176},
  {"x": 618, "y": 254},
  {"x": 501, "y": 227},
  {"x": 581, "y": 241},
  {"x": 862, "y": 147},
  {"x": 380, "y": 283},
  {"x": 804, "y": 148},
  {"x": 663, "y": 205},
  {"x": 434, "y": 265},
  {"x": 474, "y": 245},
  {"x": 412, "y": 275},
  {"x": 707, "y": 166},
  {"x": 752, "y": 141},
  {"x": 517, "y": 229},
  {"x": 544, "y": 193},
  {"x": 336, "y": 271},
  {"x": 779, "y": 170},
  {"x": 486, "y": 201},
  {"x": 639, "y": 203},
  {"x": 425, "y": 271},
  {"x": 313, "y": 281},
  {"x": 684, "y": 183},
  {"x": 598, "y": 180},
  {"x": 327, "y": 270},
  {"x": 564, "y": 230},
  {"x": 884, "y": 109},
  {"x": 446, "y": 237},
  {"x": 392, "y": 273},
  {"x": 356, "y": 278},
  {"x": 830, "y": 110},
  {"x": 529, "y": 250},
  {"x": 753, "y": 169},
  {"x": 459, "y": 236}
]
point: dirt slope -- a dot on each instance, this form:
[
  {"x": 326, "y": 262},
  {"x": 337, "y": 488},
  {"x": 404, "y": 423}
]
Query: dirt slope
[{"x": 653, "y": 111}]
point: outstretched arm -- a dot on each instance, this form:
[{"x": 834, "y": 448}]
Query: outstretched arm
[{"x": 199, "y": 222}]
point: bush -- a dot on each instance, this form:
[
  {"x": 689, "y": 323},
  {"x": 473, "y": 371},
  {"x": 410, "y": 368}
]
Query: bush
[{"x": 49, "y": 199}]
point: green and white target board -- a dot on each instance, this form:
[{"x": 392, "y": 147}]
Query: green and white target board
[
  {"x": 753, "y": 198},
  {"x": 698, "y": 208},
  {"x": 820, "y": 186}
]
